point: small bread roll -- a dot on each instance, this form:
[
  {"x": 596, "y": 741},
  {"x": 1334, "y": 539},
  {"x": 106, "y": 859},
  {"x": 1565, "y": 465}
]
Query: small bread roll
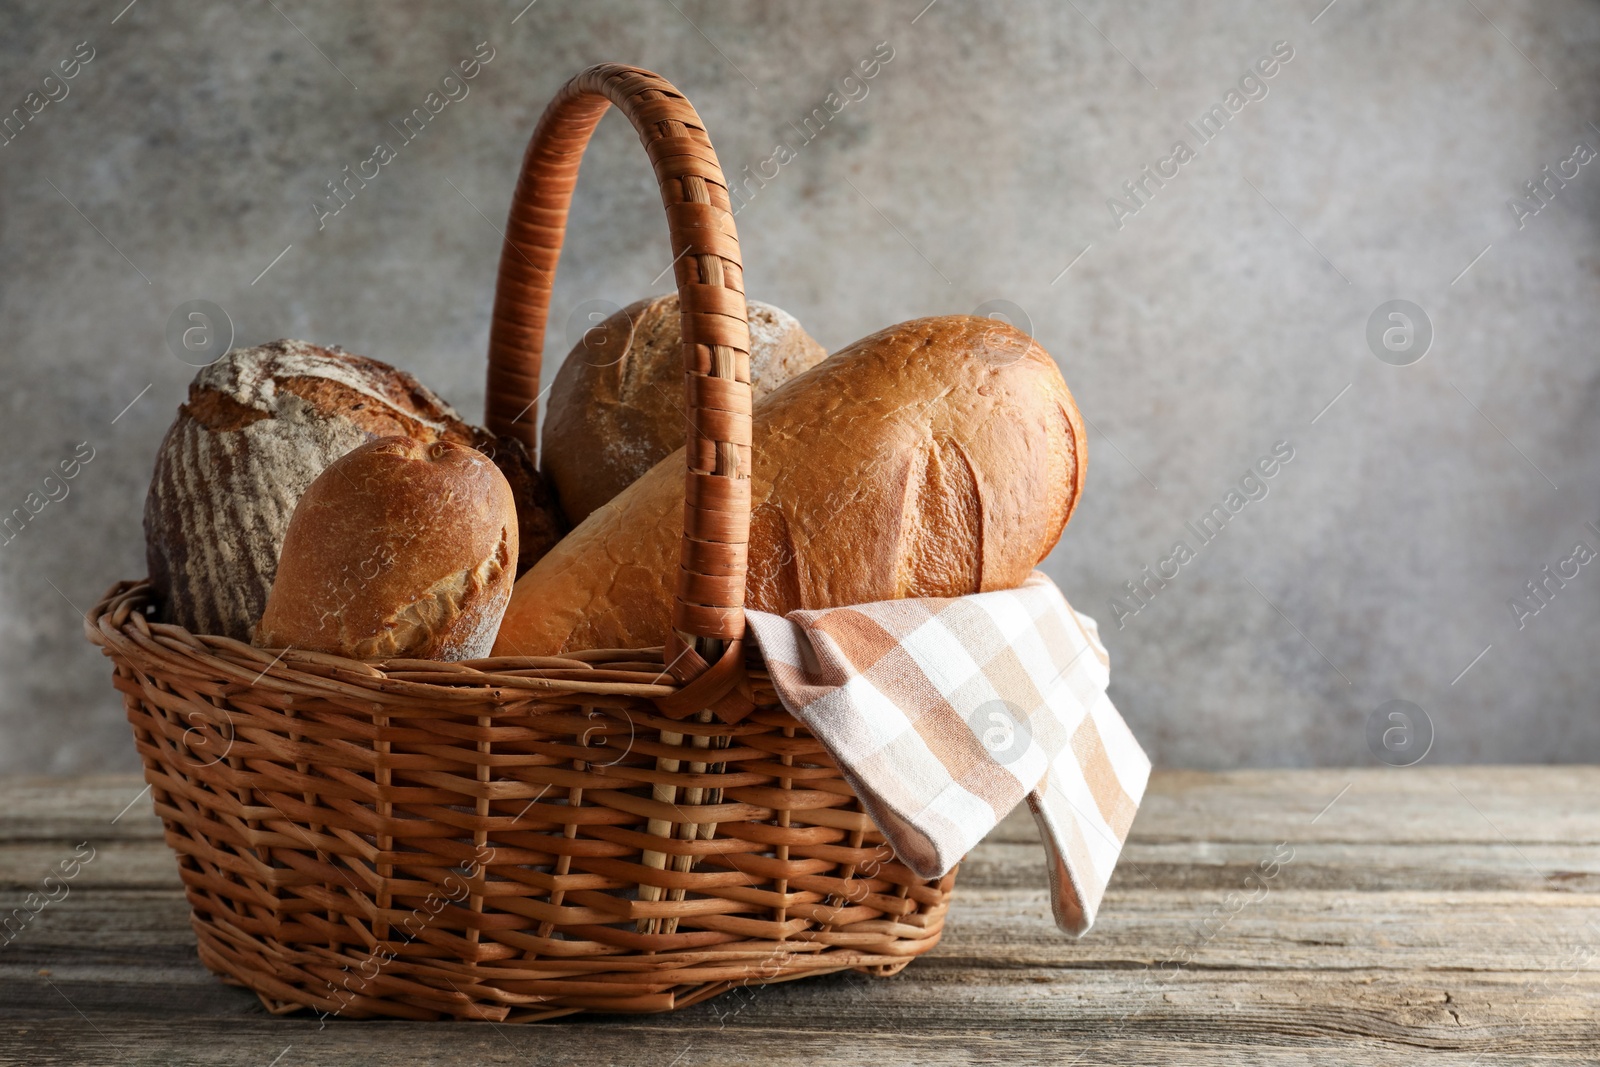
[
  {"x": 399, "y": 549},
  {"x": 616, "y": 406},
  {"x": 933, "y": 459}
]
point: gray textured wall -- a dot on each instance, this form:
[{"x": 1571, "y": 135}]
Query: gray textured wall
[{"x": 1221, "y": 317}]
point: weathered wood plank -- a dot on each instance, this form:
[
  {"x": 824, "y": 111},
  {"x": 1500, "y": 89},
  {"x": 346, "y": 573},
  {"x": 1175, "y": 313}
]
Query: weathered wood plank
[
  {"x": 1303, "y": 1017},
  {"x": 105, "y": 807},
  {"x": 1197, "y": 866},
  {"x": 115, "y": 935},
  {"x": 1224, "y": 866},
  {"x": 1555, "y": 804},
  {"x": 115, "y": 864}
]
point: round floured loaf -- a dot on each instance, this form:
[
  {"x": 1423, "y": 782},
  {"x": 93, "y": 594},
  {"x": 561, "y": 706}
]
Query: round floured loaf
[
  {"x": 616, "y": 405},
  {"x": 258, "y": 427},
  {"x": 936, "y": 458},
  {"x": 397, "y": 550}
]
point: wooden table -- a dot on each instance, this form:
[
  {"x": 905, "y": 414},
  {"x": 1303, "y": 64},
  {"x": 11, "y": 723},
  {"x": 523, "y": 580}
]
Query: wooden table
[{"x": 1452, "y": 912}]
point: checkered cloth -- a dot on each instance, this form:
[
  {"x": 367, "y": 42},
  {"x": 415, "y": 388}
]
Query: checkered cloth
[{"x": 944, "y": 714}]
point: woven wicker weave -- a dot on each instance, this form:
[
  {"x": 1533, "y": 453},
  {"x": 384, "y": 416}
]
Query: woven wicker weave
[{"x": 517, "y": 839}]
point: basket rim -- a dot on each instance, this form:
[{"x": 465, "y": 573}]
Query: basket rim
[{"x": 120, "y": 626}]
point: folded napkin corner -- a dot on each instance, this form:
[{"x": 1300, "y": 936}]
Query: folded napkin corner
[{"x": 944, "y": 714}]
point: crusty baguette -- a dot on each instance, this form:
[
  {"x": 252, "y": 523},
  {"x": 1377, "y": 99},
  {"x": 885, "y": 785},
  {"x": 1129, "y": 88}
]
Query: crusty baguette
[
  {"x": 616, "y": 405},
  {"x": 399, "y": 549},
  {"x": 937, "y": 458}
]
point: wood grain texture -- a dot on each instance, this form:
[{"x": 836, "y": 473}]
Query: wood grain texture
[{"x": 1452, "y": 913}]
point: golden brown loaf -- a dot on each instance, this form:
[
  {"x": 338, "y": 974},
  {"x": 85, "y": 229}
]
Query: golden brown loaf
[
  {"x": 616, "y": 406},
  {"x": 259, "y": 425},
  {"x": 399, "y": 549},
  {"x": 937, "y": 458}
]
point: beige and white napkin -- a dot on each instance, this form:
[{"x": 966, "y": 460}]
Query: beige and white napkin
[{"x": 944, "y": 714}]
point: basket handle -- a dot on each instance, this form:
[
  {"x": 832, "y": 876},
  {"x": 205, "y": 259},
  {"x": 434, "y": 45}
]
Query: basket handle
[{"x": 708, "y": 608}]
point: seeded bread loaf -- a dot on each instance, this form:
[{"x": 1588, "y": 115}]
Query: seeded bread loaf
[
  {"x": 936, "y": 458},
  {"x": 258, "y": 427},
  {"x": 616, "y": 406},
  {"x": 398, "y": 549}
]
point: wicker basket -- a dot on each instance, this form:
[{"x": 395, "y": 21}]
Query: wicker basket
[{"x": 518, "y": 839}]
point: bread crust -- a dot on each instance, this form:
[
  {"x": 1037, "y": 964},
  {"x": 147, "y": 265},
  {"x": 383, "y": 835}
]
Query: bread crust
[
  {"x": 616, "y": 406},
  {"x": 398, "y": 549},
  {"x": 938, "y": 457}
]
